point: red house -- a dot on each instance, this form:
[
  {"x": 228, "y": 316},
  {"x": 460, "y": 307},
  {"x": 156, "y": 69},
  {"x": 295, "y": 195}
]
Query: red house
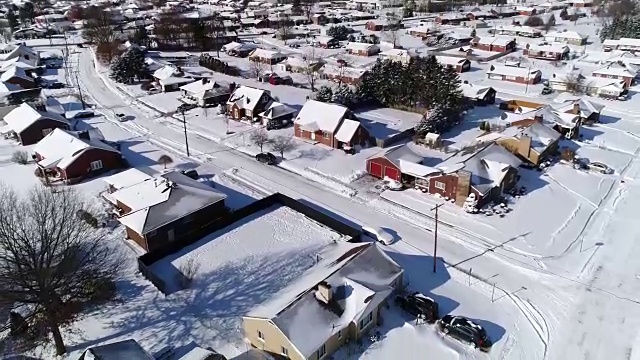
[
  {"x": 520, "y": 75},
  {"x": 400, "y": 163},
  {"x": 30, "y": 125},
  {"x": 460, "y": 65},
  {"x": 617, "y": 71},
  {"x": 71, "y": 157},
  {"x": 497, "y": 44},
  {"x": 330, "y": 124}
]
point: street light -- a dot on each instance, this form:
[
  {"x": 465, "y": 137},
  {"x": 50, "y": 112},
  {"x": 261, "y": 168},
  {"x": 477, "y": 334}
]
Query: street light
[{"x": 181, "y": 110}]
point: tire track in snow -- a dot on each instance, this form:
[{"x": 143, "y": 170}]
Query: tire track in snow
[{"x": 535, "y": 318}]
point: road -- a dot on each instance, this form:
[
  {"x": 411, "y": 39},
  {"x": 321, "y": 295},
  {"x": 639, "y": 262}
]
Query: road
[{"x": 570, "y": 314}]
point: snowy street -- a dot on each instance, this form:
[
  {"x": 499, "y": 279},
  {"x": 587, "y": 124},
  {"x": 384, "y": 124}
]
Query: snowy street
[{"x": 569, "y": 313}]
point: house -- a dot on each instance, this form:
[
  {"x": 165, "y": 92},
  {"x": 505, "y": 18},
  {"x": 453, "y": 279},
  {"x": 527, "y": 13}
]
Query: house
[
  {"x": 296, "y": 64},
  {"x": 628, "y": 44},
  {"x": 565, "y": 120},
  {"x": 481, "y": 15},
  {"x": 362, "y": 49},
  {"x": 590, "y": 85},
  {"x": 332, "y": 125},
  {"x": 460, "y": 65},
  {"x": 382, "y": 25},
  {"x": 240, "y": 50},
  {"x": 400, "y": 163},
  {"x": 581, "y": 3},
  {"x": 339, "y": 300},
  {"x": 170, "y": 78},
  {"x": 485, "y": 170},
  {"x": 23, "y": 53},
  {"x": 526, "y": 10},
  {"x": 478, "y": 95},
  {"x": 248, "y": 102},
  {"x": 450, "y": 19},
  {"x": 514, "y": 74},
  {"x": 277, "y": 115},
  {"x": 566, "y": 37},
  {"x": 206, "y": 92},
  {"x": 326, "y": 42},
  {"x": 30, "y": 125},
  {"x": 534, "y": 142},
  {"x": 553, "y": 52},
  {"x": 517, "y": 30},
  {"x": 70, "y": 157},
  {"x": 626, "y": 73},
  {"x": 125, "y": 179},
  {"x": 422, "y": 31},
  {"x": 496, "y": 44},
  {"x": 70, "y": 107},
  {"x": 126, "y": 349},
  {"x": 268, "y": 57},
  {"x": 167, "y": 207},
  {"x": 17, "y": 76},
  {"x": 343, "y": 74},
  {"x": 401, "y": 55}
]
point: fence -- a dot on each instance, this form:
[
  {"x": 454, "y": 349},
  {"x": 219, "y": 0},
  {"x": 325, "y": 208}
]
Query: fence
[{"x": 145, "y": 261}]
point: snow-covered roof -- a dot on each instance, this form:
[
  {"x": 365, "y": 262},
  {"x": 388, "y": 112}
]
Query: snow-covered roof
[
  {"x": 165, "y": 72},
  {"x": 323, "y": 39},
  {"x": 345, "y": 71},
  {"x": 525, "y": 72},
  {"x": 246, "y": 97},
  {"x": 419, "y": 170},
  {"x": 15, "y": 72},
  {"x": 320, "y": 116},
  {"x": 163, "y": 199},
  {"x": 199, "y": 353},
  {"x": 358, "y": 46},
  {"x": 488, "y": 165},
  {"x": 60, "y": 148},
  {"x": 472, "y": 91},
  {"x": 550, "y": 48},
  {"x": 198, "y": 87},
  {"x": 541, "y": 135},
  {"x": 276, "y": 110},
  {"x": 129, "y": 177},
  {"x": 347, "y": 130},
  {"x": 360, "y": 276},
  {"x": 451, "y": 60},
  {"x": 25, "y": 115},
  {"x": 617, "y": 70},
  {"x": 127, "y": 349},
  {"x": 267, "y": 54},
  {"x": 568, "y": 34},
  {"x": 6, "y": 87},
  {"x": 494, "y": 40},
  {"x": 398, "y": 53}
]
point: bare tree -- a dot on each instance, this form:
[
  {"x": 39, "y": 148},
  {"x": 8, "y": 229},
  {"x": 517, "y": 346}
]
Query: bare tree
[
  {"x": 187, "y": 272},
  {"x": 282, "y": 144},
  {"x": 256, "y": 68},
  {"x": 551, "y": 22},
  {"x": 391, "y": 33},
  {"x": 311, "y": 62},
  {"x": 260, "y": 138},
  {"x": 165, "y": 160},
  {"x": 52, "y": 261},
  {"x": 574, "y": 82},
  {"x": 284, "y": 28},
  {"x": 98, "y": 28},
  {"x": 217, "y": 31}
]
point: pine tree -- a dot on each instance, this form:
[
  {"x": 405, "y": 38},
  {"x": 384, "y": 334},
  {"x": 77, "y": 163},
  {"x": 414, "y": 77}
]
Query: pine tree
[
  {"x": 343, "y": 95},
  {"x": 12, "y": 20},
  {"x": 473, "y": 33},
  {"x": 129, "y": 66},
  {"x": 324, "y": 94},
  {"x": 141, "y": 37}
]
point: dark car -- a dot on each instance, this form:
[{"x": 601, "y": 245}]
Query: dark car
[
  {"x": 266, "y": 158},
  {"x": 56, "y": 85},
  {"x": 419, "y": 305},
  {"x": 186, "y": 107},
  {"x": 465, "y": 330},
  {"x": 192, "y": 173},
  {"x": 277, "y": 124}
]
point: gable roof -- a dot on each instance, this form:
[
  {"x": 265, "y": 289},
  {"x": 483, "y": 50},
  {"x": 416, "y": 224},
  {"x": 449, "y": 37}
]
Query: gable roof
[
  {"x": 163, "y": 199},
  {"x": 360, "y": 276},
  {"x": 20, "y": 118},
  {"x": 6, "y": 87},
  {"x": 618, "y": 70},
  {"x": 347, "y": 130},
  {"x": 127, "y": 349},
  {"x": 320, "y": 116},
  {"x": 267, "y": 54},
  {"x": 487, "y": 164},
  {"x": 246, "y": 97},
  {"x": 276, "y": 110},
  {"x": 524, "y": 72},
  {"x": 15, "y": 72},
  {"x": 472, "y": 91},
  {"x": 129, "y": 177},
  {"x": 60, "y": 148}
]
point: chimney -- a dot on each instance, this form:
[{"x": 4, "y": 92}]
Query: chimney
[
  {"x": 524, "y": 146},
  {"x": 576, "y": 109},
  {"x": 324, "y": 292},
  {"x": 84, "y": 135},
  {"x": 538, "y": 118}
]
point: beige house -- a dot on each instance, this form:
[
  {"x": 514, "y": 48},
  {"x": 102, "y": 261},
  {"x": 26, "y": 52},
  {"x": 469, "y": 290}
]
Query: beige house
[{"x": 336, "y": 302}]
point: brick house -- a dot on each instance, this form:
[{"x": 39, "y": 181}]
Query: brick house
[
  {"x": 478, "y": 95},
  {"x": 450, "y": 19},
  {"x": 401, "y": 163},
  {"x": 332, "y": 125},
  {"x": 248, "y": 102},
  {"x": 30, "y": 125},
  {"x": 495, "y": 44},
  {"x": 460, "y": 65},
  {"x": 167, "y": 207},
  {"x": 71, "y": 157},
  {"x": 342, "y": 74},
  {"x": 618, "y": 71},
  {"x": 268, "y": 57},
  {"x": 534, "y": 142},
  {"x": 326, "y": 42},
  {"x": 553, "y": 52},
  {"x": 526, "y": 11},
  {"x": 362, "y": 49},
  {"x": 514, "y": 74}
]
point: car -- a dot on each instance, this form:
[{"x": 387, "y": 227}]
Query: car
[
  {"x": 391, "y": 184},
  {"x": 192, "y": 173},
  {"x": 599, "y": 167},
  {"x": 419, "y": 305},
  {"x": 267, "y": 158},
  {"x": 273, "y": 124},
  {"x": 186, "y": 107},
  {"x": 153, "y": 91},
  {"x": 464, "y": 330},
  {"x": 547, "y": 91},
  {"x": 56, "y": 85},
  {"x": 121, "y": 116},
  {"x": 378, "y": 234}
]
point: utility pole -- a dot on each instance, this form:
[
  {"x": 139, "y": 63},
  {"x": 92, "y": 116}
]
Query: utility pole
[
  {"x": 184, "y": 124},
  {"x": 435, "y": 239},
  {"x": 528, "y": 78},
  {"x": 80, "y": 91}
]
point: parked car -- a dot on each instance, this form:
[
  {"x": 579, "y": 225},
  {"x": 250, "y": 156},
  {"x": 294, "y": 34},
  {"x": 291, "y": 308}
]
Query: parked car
[
  {"x": 599, "y": 167},
  {"x": 546, "y": 91},
  {"x": 153, "y": 91},
  {"x": 121, "y": 117},
  {"x": 267, "y": 158},
  {"x": 419, "y": 305},
  {"x": 464, "y": 330},
  {"x": 378, "y": 234},
  {"x": 56, "y": 85},
  {"x": 186, "y": 107},
  {"x": 277, "y": 124},
  {"x": 391, "y": 184},
  {"x": 192, "y": 173}
]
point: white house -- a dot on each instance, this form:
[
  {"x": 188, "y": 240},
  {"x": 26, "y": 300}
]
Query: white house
[{"x": 566, "y": 37}]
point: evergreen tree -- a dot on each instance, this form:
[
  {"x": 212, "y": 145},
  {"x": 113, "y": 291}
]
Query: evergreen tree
[
  {"x": 473, "y": 33},
  {"x": 343, "y": 95},
  {"x": 141, "y": 37},
  {"x": 12, "y": 20},
  {"x": 324, "y": 94},
  {"x": 564, "y": 14},
  {"x": 27, "y": 13},
  {"x": 129, "y": 66},
  {"x": 338, "y": 32}
]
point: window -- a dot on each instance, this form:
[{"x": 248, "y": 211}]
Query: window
[
  {"x": 285, "y": 351},
  {"x": 339, "y": 334},
  {"x": 322, "y": 351},
  {"x": 440, "y": 185},
  {"x": 96, "y": 165},
  {"x": 366, "y": 320},
  {"x": 510, "y": 77},
  {"x": 260, "y": 335},
  {"x": 325, "y": 134}
]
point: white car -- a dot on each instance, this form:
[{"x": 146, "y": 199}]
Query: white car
[
  {"x": 600, "y": 167},
  {"x": 391, "y": 184},
  {"x": 378, "y": 234}
]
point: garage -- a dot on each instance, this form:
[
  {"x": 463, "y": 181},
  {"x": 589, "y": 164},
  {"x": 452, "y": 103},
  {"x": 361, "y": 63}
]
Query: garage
[
  {"x": 375, "y": 169},
  {"x": 392, "y": 162},
  {"x": 392, "y": 172}
]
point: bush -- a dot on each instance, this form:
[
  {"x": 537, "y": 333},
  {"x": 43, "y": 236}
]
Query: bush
[
  {"x": 217, "y": 65},
  {"x": 339, "y": 32},
  {"x": 87, "y": 217},
  {"x": 568, "y": 154},
  {"x": 534, "y": 21},
  {"x": 21, "y": 157}
]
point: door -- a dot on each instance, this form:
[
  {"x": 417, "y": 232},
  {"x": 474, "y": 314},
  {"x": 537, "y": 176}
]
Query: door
[
  {"x": 392, "y": 173},
  {"x": 313, "y": 136},
  {"x": 171, "y": 235},
  {"x": 375, "y": 169}
]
